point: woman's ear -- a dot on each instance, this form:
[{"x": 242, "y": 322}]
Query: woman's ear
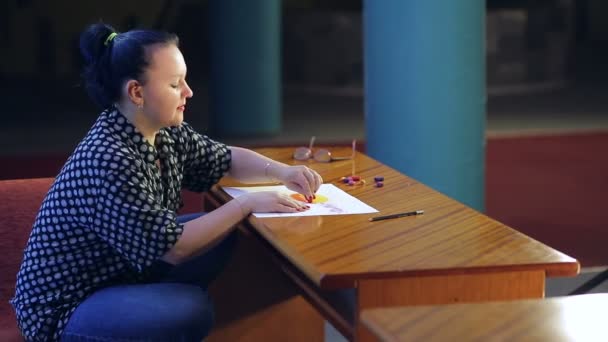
[{"x": 135, "y": 92}]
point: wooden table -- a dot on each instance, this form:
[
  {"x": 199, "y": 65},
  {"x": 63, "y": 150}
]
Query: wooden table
[
  {"x": 344, "y": 264},
  {"x": 574, "y": 318}
]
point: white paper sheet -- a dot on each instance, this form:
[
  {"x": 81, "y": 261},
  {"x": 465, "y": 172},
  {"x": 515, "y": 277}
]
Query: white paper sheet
[{"x": 335, "y": 201}]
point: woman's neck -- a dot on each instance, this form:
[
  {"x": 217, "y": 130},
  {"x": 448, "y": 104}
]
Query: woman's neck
[{"x": 138, "y": 119}]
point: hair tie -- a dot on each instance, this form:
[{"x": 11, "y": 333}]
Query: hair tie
[{"x": 110, "y": 38}]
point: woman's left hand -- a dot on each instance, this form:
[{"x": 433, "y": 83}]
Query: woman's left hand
[{"x": 301, "y": 179}]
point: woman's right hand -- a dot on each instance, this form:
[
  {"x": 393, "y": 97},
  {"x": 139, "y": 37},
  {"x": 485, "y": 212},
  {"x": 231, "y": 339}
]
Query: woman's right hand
[{"x": 270, "y": 202}]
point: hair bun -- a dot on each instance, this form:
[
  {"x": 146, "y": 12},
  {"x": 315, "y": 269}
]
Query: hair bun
[{"x": 92, "y": 41}]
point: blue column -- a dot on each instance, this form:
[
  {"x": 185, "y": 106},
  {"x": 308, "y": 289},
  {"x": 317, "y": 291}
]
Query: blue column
[
  {"x": 425, "y": 92},
  {"x": 245, "y": 81}
]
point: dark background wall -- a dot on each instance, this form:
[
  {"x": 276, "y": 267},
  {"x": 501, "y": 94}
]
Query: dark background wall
[
  {"x": 322, "y": 41},
  {"x": 530, "y": 45}
]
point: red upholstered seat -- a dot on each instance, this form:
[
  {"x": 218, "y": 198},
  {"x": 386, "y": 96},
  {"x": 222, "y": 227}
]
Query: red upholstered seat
[{"x": 19, "y": 204}]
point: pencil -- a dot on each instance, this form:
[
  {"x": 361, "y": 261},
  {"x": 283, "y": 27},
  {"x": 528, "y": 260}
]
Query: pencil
[
  {"x": 354, "y": 145},
  {"x": 409, "y": 213}
]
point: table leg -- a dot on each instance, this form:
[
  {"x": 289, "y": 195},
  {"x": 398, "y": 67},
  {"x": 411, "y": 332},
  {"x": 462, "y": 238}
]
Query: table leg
[{"x": 255, "y": 301}]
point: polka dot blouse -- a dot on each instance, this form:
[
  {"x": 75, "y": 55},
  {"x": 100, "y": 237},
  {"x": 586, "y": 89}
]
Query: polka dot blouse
[{"x": 110, "y": 214}]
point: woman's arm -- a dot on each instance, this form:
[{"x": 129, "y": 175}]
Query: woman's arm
[
  {"x": 202, "y": 233},
  {"x": 250, "y": 167}
]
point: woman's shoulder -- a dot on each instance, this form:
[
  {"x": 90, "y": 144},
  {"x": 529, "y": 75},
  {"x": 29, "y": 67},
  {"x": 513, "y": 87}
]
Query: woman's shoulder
[
  {"x": 182, "y": 132},
  {"x": 182, "y": 136},
  {"x": 101, "y": 143},
  {"x": 185, "y": 133},
  {"x": 104, "y": 151}
]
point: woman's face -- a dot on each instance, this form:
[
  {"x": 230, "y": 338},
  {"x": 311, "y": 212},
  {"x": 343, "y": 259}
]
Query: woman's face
[{"x": 165, "y": 89}]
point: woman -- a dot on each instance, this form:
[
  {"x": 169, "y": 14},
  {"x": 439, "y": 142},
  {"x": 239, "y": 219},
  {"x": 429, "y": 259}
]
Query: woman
[{"x": 108, "y": 257}]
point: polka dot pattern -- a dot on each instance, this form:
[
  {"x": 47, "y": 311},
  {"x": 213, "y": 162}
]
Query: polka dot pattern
[{"x": 110, "y": 214}]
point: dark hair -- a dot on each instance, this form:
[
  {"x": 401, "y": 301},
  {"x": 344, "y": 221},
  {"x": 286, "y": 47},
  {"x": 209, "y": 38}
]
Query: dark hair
[{"x": 110, "y": 62}]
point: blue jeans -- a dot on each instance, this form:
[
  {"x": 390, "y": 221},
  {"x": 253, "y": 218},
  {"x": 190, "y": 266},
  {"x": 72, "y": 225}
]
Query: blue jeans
[{"x": 173, "y": 306}]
